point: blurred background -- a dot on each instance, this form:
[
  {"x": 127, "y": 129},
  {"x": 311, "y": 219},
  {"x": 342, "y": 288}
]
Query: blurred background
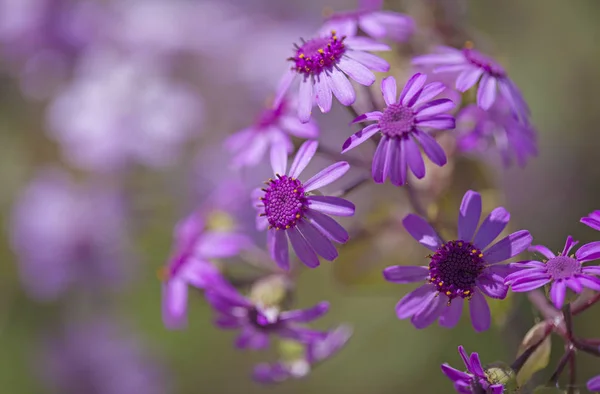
[{"x": 115, "y": 111}]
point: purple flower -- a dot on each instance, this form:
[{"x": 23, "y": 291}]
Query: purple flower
[
  {"x": 189, "y": 265},
  {"x": 68, "y": 235},
  {"x": 376, "y": 23},
  {"x": 594, "y": 384},
  {"x": 323, "y": 64},
  {"x": 400, "y": 125},
  {"x": 562, "y": 270},
  {"x": 471, "y": 66},
  {"x": 258, "y": 322},
  {"x": 289, "y": 209},
  {"x": 274, "y": 126},
  {"x": 496, "y": 129},
  {"x": 474, "y": 380},
  {"x": 592, "y": 220},
  {"x": 316, "y": 351},
  {"x": 462, "y": 269}
]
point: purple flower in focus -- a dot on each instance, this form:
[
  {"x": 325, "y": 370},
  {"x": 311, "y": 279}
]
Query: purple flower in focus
[
  {"x": 68, "y": 235},
  {"x": 466, "y": 268},
  {"x": 400, "y": 125},
  {"x": 496, "y": 129},
  {"x": 274, "y": 126},
  {"x": 323, "y": 64},
  {"x": 474, "y": 380},
  {"x": 592, "y": 220},
  {"x": 316, "y": 351},
  {"x": 189, "y": 265},
  {"x": 562, "y": 270},
  {"x": 289, "y": 209},
  {"x": 258, "y": 322},
  {"x": 471, "y": 66},
  {"x": 594, "y": 384}
]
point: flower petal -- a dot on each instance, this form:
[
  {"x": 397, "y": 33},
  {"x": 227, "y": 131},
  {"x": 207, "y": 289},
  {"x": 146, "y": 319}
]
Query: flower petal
[
  {"x": 398, "y": 164},
  {"x": 465, "y": 357},
  {"x": 422, "y": 231},
  {"x": 356, "y": 71},
  {"x": 303, "y": 250},
  {"x": 174, "y": 305},
  {"x": 591, "y": 270},
  {"x": 328, "y": 226},
  {"x": 468, "y": 215},
  {"x": 486, "y": 94},
  {"x": 468, "y": 78},
  {"x": 594, "y": 384},
  {"x": 590, "y": 282},
  {"x": 305, "y": 100},
  {"x": 508, "y": 247},
  {"x": 412, "y": 88},
  {"x": 592, "y": 220},
  {"x": 569, "y": 244},
  {"x": 323, "y": 95},
  {"x": 293, "y": 126},
  {"x": 318, "y": 241},
  {"x": 432, "y": 149},
  {"x": 434, "y": 107},
  {"x": 365, "y": 44},
  {"x": 380, "y": 158},
  {"x": 405, "y": 274},
  {"x": 491, "y": 227},
  {"x": 359, "y": 137},
  {"x": 414, "y": 301},
  {"x": 476, "y": 367},
  {"x": 575, "y": 285},
  {"x": 492, "y": 287},
  {"x": 375, "y": 115},
  {"x": 480, "y": 313},
  {"x": 544, "y": 251},
  {"x": 438, "y": 122},
  {"x": 279, "y": 159},
  {"x": 558, "y": 291},
  {"x": 341, "y": 87},
  {"x": 429, "y": 92},
  {"x": 278, "y": 247},
  {"x": 216, "y": 245},
  {"x": 454, "y": 374},
  {"x": 331, "y": 205},
  {"x": 413, "y": 157},
  {"x": 303, "y": 157},
  {"x": 451, "y": 316},
  {"x": 372, "y": 62},
  {"x": 430, "y": 313},
  {"x": 528, "y": 284},
  {"x": 305, "y": 315},
  {"x": 327, "y": 176},
  {"x": 284, "y": 86},
  {"x": 388, "y": 89},
  {"x": 588, "y": 252}
]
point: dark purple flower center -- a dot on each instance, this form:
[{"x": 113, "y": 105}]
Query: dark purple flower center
[
  {"x": 562, "y": 267},
  {"x": 285, "y": 202},
  {"x": 455, "y": 267},
  {"x": 397, "y": 121},
  {"x": 319, "y": 54},
  {"x": 261, "y": 322},
  {"x": 490, "y": 66}
]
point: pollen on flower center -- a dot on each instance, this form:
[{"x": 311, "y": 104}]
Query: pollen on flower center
[
  {"x": 319, "y": 54},
  {"x": 285, "y": 202},
  {"x": 455, "y": 267},
  {"x": 397, "y": 121},
  {"x": 490, "y": 66},
  {"x": 561, "y": 267}
]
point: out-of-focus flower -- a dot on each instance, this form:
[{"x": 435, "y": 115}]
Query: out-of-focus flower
[
  {"x": 316, "y": 351},
  {"x": 273, "y": 127},
  {"x": 592, "y": 220},
  {"x": 473, "y": 381},
  {"x": 323, "y": 64},
  {"x": 190, "y": 264},
  {"x": 471, "y": 65},
  {"x": 120, "y": 111},
  {"x": 68, "y": 235},
  {"x": 258, "y": 322},
  {"x": 96, "y": 357},
  {"x": 462, "y": 269},
  {"x": 594, "y": 384},
  {"x": 562, "y": 270},
  {"x": 400, "y": 124},
  {"x": 497, "y": 129},
  {"x": 288, "y": 209}
]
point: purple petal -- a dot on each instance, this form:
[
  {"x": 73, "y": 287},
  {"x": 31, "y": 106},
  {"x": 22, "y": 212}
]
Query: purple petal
[
  {"x": 341, "y": 87},
  {"x": 331, "y": 205},
  {"x": 480, "y": 313},
  {"x": 590, "y": 282},
  {"x": 447, "y": 57},
  {"x": 372, "y": 25},
  {"x": 220, "y": 245},
  {"x": 454, "y": 374},
  {"x": 342, "y": 27},
  {"x": 508, "y": 247},
  {"x": 524, "y": 273},
  {"x": 360, "y": 137},
  {"x": 432, "y": 149},
  {"x": 434, "y": 107},
  {"x": 174, "y": 305},
  {"x": 422, "y": 231},
  {"x": 356, "y": 71},
  {"x": 491, "y": 227},
  {"x": 412, "y": 87},
  {"x": 388, "y": 89},
  {"x": 323, "y": 95},
  {"x": 303, "y": 250},
  {"x": 375, "y": 115},
  {"x": 327, "y": 176},
  {"x": 574, "y": 284},
  {"x": 369, "y": 60},
  {"x": 284, "y": 86},
  {"x": 542, "y": 250},
  {"x": 569, "y": 244},
  {"x": 379, "y": 160},
  {"x": 492, "y": 287},
  {"x": 592, "y": 270},
  {"x": 305, "y": 315},
  {"x": 261, "y": 223},
  {"x": 486, "y": 94},
  {"x": 496, "y": 388},
  {"x": 476, "y": 367},
  {"x": 251, "y": 339},
  {"x": 594, "y": 384},
  {"x": 527, "y": 284},
  {"x": 463, "y": 387},
  {"x": 365, "y": 44},
  {"x": 303, "y": 157},
  {"x": 452, "y": 314},
  {"x": 296, "y": 128},
  {"x": 305, "y": 100},
  {"x": 405, "y": 274},
  {"x": 270, "y": 373},
  {"x": 438, "y": 122},
  {"x": 430, "y": 91},
  {"x": 468, "y": 215},
  {"x": 413, "y": 157},
  {"x": 465, "y": 357},
  {"x": 592, "y": 220},
  {"x": 279, "y": 159},
  {"x": 278, "y": 247},
  {"x": 430, "y": 313},
  {"x": 318, "y": 241},
  {"x": 327, "y": 226},
  {"x": 467, "y": 79},
  {"x": 398, "y": 164},
  {"x": 511, "y": 93},
  {"x": 414, "y": 301},
  {"x": 588, "y": 252},
  {"x": 558, "y": 292}
]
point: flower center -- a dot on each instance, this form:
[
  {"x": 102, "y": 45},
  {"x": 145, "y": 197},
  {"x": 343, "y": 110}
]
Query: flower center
[
  {"x": 267, "y": 320},
  {"x": 455, "y": 267},
  {"x": 285, "y": 202},
  {"x": 397, "y": 121},
  {"x": 319, "y": 54},
  {"x": 562, "y": 267},
  {"x": 490, "y": 66}
]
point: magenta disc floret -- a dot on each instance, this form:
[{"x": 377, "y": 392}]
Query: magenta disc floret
[
  {"x": 319, "y": 54},
  {"x": 285, "y": 202},
  {"x": 397, "y": 121},
  {"x": 562, "y": 267}
]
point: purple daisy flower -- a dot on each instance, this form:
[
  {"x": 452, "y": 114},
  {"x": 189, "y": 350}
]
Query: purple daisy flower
[
  {"x": 400, "y": 125},
  {"x": 474, "y": 380},
  {"x": 594, "y": 384},
  {"x": 189, "y": 265},
  {"x": 563, "y": 270},
  {"x": 323, "y": 64},
  {"x": 274, "y": 126},
  {"x": 316, "y": 351},
  {"x": 288, "y": 209},
  {"x": 592, "y": 220},
  {"x": 496, "y": 129},
  {"x": 258, "y": 322},
  {"x": 471, "y": 66},
  {"x": 462, "y": 269}
]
